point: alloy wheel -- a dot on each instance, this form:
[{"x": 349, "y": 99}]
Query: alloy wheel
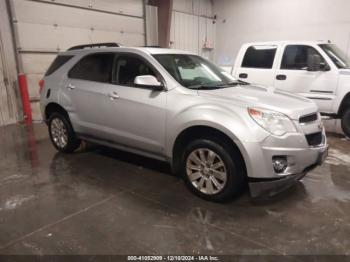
[
  {"x": 206, "y": 171},
  {"x": 59, "y": 133}
]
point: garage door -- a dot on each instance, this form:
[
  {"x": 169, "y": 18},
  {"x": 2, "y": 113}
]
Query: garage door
[{"x": 46, "y": 27}]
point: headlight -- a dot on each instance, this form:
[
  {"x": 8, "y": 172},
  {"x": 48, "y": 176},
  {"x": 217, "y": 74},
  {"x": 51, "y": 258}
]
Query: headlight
[{"x": 276, "y": 123}]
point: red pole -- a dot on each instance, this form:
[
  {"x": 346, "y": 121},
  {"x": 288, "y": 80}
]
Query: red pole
[{"x": 27, "y": 110}]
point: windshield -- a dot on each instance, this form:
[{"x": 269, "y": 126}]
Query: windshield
[
  {"x": 195, "y": 72},
  {"x": 336, "y": 55}
]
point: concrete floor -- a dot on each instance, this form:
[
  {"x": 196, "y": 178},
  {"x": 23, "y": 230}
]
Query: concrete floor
[{"x": 103, "y": 201}]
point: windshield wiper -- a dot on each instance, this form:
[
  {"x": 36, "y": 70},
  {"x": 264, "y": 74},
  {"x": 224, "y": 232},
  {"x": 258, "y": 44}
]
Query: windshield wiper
[
  {"x": 214, "y": 86},
  {"x": 242, "y": 82}
]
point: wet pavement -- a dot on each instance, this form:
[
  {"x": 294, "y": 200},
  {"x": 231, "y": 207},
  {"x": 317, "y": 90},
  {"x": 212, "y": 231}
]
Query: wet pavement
[{"x": 104, "y": 201}]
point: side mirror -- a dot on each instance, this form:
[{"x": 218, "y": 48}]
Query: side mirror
[
  {"x": 314, "y": 63},
  {"x": 148, "y": 81}
]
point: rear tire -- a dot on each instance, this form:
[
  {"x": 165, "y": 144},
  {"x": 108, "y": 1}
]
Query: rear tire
[
  {"x": 213, "y": 170},
  {"x": 62, "y": 134},
  {"x": 345, "y": 122}
]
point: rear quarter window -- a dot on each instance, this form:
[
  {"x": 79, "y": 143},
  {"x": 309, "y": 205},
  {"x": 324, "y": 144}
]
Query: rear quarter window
[
  {"x": 259, "y": 57},
  {"x": 57, "y": 63}
]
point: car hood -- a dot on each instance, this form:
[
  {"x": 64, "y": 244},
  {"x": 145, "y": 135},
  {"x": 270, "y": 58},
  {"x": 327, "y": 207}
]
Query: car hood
[
  {"x": 270, "y": 98},
  {"x": 344, "y": 72}
]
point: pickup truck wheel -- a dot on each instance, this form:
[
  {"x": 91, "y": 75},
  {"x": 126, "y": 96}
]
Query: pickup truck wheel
[
  {"x": 62, "y": 134},
  {"x": 212, "y": 170},
  {"x": 345, "y": 122}
]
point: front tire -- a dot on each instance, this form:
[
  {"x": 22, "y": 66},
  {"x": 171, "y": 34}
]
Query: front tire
[
  {"x": 345, "y": 122},
  {"x": 213, "y": 170},
  {"x": 62, "y": 134}
]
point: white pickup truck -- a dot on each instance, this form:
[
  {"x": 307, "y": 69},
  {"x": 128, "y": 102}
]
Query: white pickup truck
[{"x": 314, "y": 69}]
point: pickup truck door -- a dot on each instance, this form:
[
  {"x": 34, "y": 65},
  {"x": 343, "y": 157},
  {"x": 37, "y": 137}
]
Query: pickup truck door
[
  {"x": 257, "y": 65},
  {"x": 136, "y": 115},
  {"x": 293, "y": 76}
]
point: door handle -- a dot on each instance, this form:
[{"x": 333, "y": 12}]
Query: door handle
[
  {"x": 70, "y": 86},
  {"x": 281, "y": 77},
  {"x": 243, "y": 75},
  {"x": 113, "y": 96}
]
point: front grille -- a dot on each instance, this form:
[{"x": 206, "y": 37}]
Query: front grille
[
  {"x": 308, "y": 118},
  {"x": 314, "y": 139}
]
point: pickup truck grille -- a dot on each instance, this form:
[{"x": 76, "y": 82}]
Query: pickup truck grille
[
  {"x": 308, "y": 118},
  {"x": 314, "y": 139}
]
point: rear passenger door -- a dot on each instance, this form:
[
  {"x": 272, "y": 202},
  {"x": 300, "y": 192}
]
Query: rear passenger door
[
  {"x": 136, "y": 115},
  {"x": 84, "y": 92},
  {"x": 258, "y": 65}
]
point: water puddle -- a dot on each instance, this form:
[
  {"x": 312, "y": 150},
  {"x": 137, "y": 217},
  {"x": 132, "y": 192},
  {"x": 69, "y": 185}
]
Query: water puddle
[{"x": 15, "y": 202}]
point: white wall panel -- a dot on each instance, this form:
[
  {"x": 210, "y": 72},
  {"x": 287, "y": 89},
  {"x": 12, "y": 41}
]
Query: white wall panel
[
  {"x": 195, "y": 7},
  {"x": 33, "y": 83},
  {"x": 203, "y": 7},
  {"x": 207, "y": 34},
  {"x": 36, "y": 63},
  {"x": 62, "y": 16},
  {"x": 126, "y": 39},
  {"x": 128, "y": 7},
  {"x": 152, "y": 25},
  {"x": 36, "y": 112},
  {"x": 185, "y": 6},
  {"x": 191, "y": 29},
  {"x": 185, "y": 32},
  {"x": 37, "y": 37}
]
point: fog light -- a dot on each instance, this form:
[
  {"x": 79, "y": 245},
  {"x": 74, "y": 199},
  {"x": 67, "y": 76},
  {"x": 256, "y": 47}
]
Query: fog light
[{"x": 279, "y": 163}]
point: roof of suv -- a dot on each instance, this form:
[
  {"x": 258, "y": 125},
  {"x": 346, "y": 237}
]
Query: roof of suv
[{"x": 148, "y": 50}]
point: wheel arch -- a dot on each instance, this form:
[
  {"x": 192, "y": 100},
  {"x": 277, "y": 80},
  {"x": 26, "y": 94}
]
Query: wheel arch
[
  {"x": 54, "y": 108},
  {"x": 192, "y": 132},
  {"x": 345, "y": 103}
]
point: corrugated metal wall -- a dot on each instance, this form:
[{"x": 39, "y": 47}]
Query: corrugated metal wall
[
  {"x": 8, "y": 72},
  {"x": 7, "y": 114},
  {"x": 46, "y": 27},
  {"x": 193, "y": 27},
  {"x": 152, "y": 25}
]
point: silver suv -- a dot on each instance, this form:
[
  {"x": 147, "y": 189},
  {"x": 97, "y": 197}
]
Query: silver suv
[{"x": 217, "y": 132}]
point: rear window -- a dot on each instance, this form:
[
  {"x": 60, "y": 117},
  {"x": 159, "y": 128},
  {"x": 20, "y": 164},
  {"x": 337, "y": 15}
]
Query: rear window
[
  {"x": 57, "y": 63},
  {"x": 259, "y": 57}
]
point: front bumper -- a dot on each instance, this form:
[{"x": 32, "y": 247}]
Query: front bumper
[
  {"x": 301, "y": 158},
  {"x": 273, "y": 186}
]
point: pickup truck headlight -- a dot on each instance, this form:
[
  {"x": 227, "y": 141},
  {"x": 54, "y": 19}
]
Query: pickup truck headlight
[{"x": 276, "y": 123}]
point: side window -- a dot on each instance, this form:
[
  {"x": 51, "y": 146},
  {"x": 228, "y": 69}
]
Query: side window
[
  {"x": 259, "y": 56},
  {"x": 295, "y": 57},
  {"x": 96, "y": 67},
  {"x": 128, "y": 67},
  {"x": 57, "y": 63}
]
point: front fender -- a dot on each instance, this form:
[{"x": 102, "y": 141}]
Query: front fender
[
  {"x": 236, "y": 124},
  {"x": 342, "y": 93}
]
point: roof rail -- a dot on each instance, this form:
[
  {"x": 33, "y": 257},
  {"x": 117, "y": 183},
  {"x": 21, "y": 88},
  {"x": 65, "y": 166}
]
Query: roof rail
[
  {"x": 99, "y": 45},
  {"x": 152, "y": 46}
]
